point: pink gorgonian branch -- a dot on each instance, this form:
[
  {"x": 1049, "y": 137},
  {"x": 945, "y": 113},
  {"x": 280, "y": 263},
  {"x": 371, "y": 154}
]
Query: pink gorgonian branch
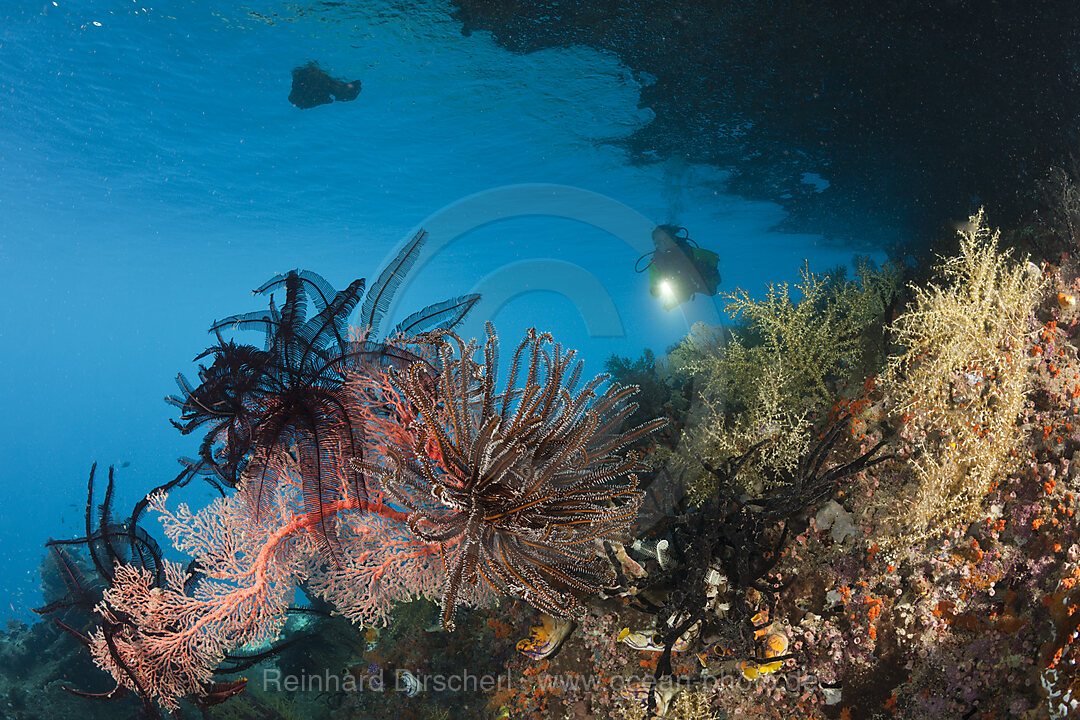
[{"x": 248, "y": 565}]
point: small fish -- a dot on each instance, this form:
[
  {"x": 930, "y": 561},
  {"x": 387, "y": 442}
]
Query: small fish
[{"x": 545, "y": 639}]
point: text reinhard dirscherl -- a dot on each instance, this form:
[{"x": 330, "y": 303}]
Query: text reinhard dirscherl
[
  {"x": 415, "y": 682},
  {"x": 377, "y": 681}
]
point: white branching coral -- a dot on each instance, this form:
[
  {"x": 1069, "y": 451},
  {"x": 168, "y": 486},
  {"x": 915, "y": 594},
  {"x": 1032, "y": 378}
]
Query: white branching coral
[{"x": 960, "y": 382}]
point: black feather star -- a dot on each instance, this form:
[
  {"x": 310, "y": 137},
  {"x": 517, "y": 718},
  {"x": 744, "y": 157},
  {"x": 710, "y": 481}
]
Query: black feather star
[{"x": 291, "y": 396}]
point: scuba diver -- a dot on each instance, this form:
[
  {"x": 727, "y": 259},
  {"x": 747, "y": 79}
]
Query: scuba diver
[{"x": 678, "y": 268}]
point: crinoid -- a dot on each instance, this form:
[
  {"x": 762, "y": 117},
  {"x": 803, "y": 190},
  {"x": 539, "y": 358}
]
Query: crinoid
[
  {"x": 741, "y": 539},
  {"x": 291, "y": 396},
  {"x": 520, "y": 487}
]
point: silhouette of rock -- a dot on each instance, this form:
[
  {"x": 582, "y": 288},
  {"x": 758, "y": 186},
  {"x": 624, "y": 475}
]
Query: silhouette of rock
[{"x": 311, "y": 86}]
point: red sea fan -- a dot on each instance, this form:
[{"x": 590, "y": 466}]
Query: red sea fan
[
  {"x": 165, "y": 638},
  {"x": 471, "y": 492}
]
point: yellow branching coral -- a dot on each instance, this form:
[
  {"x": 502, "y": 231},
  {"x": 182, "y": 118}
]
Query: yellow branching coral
[
  {"x": 818, "y": 337},
  {"x": 961, "y": 379},
  {"x": 690, "y": 704},
  {"x": 781, "y": 366}
]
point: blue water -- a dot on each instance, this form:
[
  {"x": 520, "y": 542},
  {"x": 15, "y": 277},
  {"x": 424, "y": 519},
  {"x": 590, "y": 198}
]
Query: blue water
[{"x": 153, "y": 172}]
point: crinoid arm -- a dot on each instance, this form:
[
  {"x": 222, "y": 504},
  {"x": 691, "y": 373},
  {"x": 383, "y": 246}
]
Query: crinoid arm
[
  {"x": 519, "y": 486},
  {"x": 440, "y": 316},
  {"x": 378, "y": 298}
]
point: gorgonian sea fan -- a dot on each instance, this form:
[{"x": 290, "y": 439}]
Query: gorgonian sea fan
[{"x": 519, "y": 487}]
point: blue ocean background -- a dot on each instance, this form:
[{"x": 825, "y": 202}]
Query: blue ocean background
[{"x": 153, "y": 172}]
